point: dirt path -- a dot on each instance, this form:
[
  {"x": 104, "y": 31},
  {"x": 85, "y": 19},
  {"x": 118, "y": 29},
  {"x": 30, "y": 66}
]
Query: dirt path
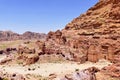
[{"x": 44, "y": 69}]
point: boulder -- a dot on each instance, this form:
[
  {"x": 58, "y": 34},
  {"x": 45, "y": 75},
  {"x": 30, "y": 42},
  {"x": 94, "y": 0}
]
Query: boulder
[
  {"x": 24, "y": 49},
  {"x": 31, "y": 59}
]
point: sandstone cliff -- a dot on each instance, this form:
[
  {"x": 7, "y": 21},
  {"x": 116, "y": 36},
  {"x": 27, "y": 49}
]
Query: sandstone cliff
[{"x": 94, "y": 35}]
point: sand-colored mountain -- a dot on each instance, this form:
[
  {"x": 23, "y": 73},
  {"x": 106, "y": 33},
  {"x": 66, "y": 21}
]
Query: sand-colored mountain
[{"x": 9, "y": 35}]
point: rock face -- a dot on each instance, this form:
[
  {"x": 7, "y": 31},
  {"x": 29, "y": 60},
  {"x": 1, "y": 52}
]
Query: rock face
[
  {"x": 9, "y": 35},
  {"x": 113, "y": 70},
  {"x": 95, "y": 34},
  {"x": 57, "y": 36}
]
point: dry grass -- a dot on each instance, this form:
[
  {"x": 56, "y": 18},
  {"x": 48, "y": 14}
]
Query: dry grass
[{"x": 6, "y": 44}]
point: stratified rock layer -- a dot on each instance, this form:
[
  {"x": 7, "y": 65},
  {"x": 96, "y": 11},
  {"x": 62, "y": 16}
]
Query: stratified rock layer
[{"x": 94, "y": 35}]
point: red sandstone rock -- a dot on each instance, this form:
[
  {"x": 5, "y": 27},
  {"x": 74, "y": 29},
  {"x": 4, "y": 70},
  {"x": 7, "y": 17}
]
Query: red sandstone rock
[
  {"x": 113, "y": 70},
  {"x": 24, "y": 49},
  {"x": 87, "y": 74},
  {"x": 95, "y": 33}
]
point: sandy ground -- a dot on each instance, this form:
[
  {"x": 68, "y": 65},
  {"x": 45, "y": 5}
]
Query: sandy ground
[
  {"x": 44, "y": 69},
  {"x": 2, "y": 57}
]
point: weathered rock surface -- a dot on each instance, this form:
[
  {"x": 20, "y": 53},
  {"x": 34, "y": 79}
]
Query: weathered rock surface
[
  {"x": 25, "y": 49},
  {"x": 112, "y": 70},
  {"x": 88, "y": 74},
  {"x": 93, "y": 35},
  {"x": 93, "y": 73},
  {"x": 28, "y": 59}
]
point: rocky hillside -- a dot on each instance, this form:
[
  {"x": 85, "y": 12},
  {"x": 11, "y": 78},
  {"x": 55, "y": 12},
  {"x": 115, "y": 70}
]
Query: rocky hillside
[
  {"x": 93, "y": 35},
  {"x": 9, "y": 35}
]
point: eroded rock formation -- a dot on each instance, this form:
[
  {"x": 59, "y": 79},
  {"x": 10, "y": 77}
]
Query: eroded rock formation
[{"x": 95, "y": 34}]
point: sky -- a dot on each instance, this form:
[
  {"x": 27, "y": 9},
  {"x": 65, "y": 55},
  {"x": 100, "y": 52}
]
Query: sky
[{"x": 40, "y": 15}]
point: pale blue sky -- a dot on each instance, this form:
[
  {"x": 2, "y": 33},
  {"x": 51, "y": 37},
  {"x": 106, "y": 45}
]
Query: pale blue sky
[{"x": 40, "y": 15}]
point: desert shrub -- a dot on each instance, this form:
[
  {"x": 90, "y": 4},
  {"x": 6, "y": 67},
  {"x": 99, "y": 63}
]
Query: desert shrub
[
  {"x": 76, "y": 69},
  {"x": 5, "y": 78}
]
